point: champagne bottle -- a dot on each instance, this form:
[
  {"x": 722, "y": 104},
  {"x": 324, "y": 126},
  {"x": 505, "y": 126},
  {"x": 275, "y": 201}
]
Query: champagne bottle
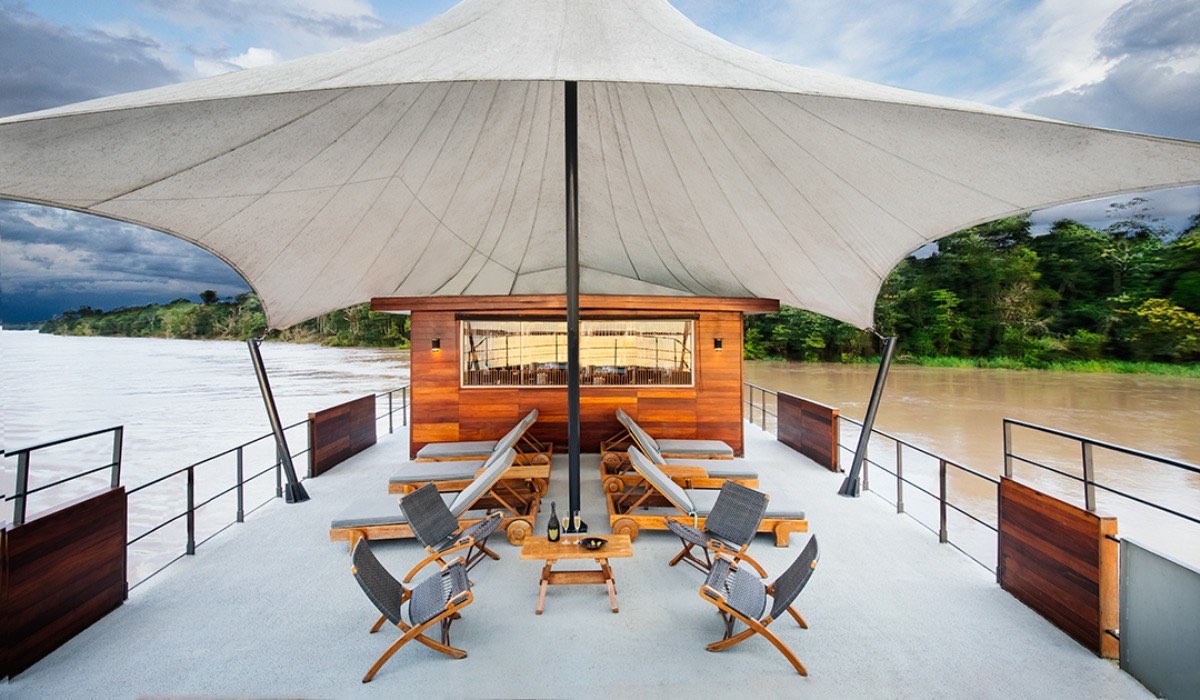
[{"x": 552, "y": 530}]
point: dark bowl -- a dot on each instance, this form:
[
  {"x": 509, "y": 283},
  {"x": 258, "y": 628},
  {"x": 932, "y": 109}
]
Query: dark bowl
[{"x": 593, "y": 543}]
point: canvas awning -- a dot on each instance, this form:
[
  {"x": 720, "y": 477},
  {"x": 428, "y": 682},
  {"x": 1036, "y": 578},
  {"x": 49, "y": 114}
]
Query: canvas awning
[{"x": 431, "y": 162}]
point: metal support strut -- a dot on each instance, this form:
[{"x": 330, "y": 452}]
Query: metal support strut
[
  {"x": 294, "y": 493},
  {"x": 852, "y": 487},
  {"x": 571, "y": 144}
]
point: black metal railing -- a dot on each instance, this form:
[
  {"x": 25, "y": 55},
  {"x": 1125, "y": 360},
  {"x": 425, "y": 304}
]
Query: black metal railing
[
  {"x": 21, "y": 491},
  {"x": 941, "y": 494},
  {"x": 943, "y": 497},
  {"x": 748, "y": 401},
  {"x": 188, "y": 514},
  {"x": 192, "y": 507},
  {"x": 1087, "y": 461}
]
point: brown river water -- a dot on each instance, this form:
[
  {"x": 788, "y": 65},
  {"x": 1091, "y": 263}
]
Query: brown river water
[{"x": 958, "y": 413}]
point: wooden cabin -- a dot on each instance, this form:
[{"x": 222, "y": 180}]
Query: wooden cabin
[{"x": 480, "y": 363}]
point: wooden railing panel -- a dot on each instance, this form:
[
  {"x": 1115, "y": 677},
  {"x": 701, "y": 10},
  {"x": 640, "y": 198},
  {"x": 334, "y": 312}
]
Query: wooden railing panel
[
  {"x": 64, "y": 569},
  {"x": 340, "y": 432},
  {"x": 809, "y": 428},
  {"x": 1060, "y": 560}
]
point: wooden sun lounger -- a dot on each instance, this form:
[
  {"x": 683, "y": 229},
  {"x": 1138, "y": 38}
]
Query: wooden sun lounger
[
  {"x": 646, "y": 505},
  {"x": 379, "y": 516},
  {"x": 613, "y": 451},
  {"x": 617, "y": 475},
  {"x": 530, "y": 450}
]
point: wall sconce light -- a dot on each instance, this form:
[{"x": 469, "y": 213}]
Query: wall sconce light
[
  {"x": 437, "y": 344},
  {"x": 718, "y": 344}
]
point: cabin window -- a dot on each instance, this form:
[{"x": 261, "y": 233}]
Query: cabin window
[{"x": 611, "y": 352}]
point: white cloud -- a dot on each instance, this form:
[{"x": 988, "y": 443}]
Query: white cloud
[
  {"x": 252, "y": 58},
  {"x": 1150, "y": 53},
  {"x": 290, "y": 28}
]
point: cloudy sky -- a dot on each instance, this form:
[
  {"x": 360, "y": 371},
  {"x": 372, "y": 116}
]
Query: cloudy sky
[{"x": 1131, "y": 65}]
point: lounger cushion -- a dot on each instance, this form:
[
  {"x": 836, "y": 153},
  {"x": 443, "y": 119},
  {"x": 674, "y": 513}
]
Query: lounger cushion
[
  {"x": 421, "y": 472},
  {"x": 467, "y": 450},
  {"x": 482, "y": 483},
  {"x": 379, "y": 509},
  {"x": 719, "y": 468},
  {"x": 714, "y": 448},
  {"x": 673, "y": 491},
  {"x": 779, "y": 507}
]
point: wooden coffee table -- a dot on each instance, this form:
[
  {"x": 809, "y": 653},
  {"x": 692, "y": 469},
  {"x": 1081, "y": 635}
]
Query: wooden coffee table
[{"x": 552, "y": 552}]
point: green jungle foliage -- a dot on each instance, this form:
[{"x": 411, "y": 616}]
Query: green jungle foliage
[
  {"x": 236, "y": 319},
  {"x": 1073, "y": 298},
  {"x": 1122, "y": 299}
]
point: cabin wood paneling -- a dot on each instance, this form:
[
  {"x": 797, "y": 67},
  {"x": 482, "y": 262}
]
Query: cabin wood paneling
[
  {"x": 340, "y": 432},
  {"x": 1059, "y": 560},
  {"x": 810, "y": 428},
  {"x": 442, "y": 411},
  {"x": 64, "y": 569}
]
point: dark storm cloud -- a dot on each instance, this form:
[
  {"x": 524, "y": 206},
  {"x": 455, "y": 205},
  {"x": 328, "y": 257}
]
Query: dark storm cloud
[
  {"x": 1151, "y": 25},
  {"x": 53, "y": 260},
  {"x": 43, "y": 65},
  {"x": 1153, "y": 84}
]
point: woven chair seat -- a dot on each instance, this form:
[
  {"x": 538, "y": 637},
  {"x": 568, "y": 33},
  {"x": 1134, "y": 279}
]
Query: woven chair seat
[{"x": 430, "y": 597}]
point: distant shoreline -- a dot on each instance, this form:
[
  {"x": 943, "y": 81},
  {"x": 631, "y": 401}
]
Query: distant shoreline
[{"x": 1162, "y": 369}]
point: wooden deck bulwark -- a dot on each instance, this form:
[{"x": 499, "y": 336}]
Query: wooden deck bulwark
[
  {"x": 64, "y": 570},
  {"x": 1061, "y": 560},
  {"x": 340, "y": 432}
]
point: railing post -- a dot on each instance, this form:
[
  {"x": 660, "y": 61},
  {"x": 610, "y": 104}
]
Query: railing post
[
  {"x": 1008, "y": 462},
  {"x": 241, "y": 487},
  {"x": 1089, "y": 478},
  {"x": 191, "y": 511},
  {"x": 899, "y": 477},
  {"x": 118, "y": 442},
  {"x": 943, "y": 534},
  {"x": 404, "y": 406},
  {"x": 21, "y": 489},
  {"x": 391, "y": 428},
  {"x": 278, "y": 473},
  {"x": 866, "y": 468}
]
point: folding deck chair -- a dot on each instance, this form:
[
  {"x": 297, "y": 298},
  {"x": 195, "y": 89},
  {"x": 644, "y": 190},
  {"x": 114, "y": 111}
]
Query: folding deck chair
[
  {"x": 742, "y": 596},
  {"x": 529, "y": 449},
  {"x": 379, "y": 516},
  {"x": 616, "y": 474},
  {"x": 655, "y": 496},
  {"x": 728, "y": 530},
  {"x": 438, "y": 530},
  {"x": 434, "y": 601}
]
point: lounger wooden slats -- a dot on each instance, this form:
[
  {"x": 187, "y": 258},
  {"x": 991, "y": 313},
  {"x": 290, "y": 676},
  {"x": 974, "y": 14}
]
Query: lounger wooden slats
[
  {"x": 617, "y": 474},
  {"x": 530, "y": 450},
  {"x": 379, "y": 516},
  {"x": 647, "y": 504}
]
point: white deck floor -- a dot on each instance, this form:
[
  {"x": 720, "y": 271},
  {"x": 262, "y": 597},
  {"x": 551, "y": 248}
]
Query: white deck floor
[{"x": 269, "y": 609}]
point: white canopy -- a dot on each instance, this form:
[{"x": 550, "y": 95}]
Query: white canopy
[{"x": 431, "y": 162}]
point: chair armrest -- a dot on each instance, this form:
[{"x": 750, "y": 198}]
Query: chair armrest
[
  {"x": 435, "y": 556},
  {"x": 737, "y": 556},
  {"x": 711, "y": 594}
]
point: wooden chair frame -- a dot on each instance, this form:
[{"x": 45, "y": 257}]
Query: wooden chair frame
[
  {"x": 713, "y": 547},
  {"x": 753, "y": 627},
  {"x": 409, "y": 632},
  {"x": 624, "y": 519}
]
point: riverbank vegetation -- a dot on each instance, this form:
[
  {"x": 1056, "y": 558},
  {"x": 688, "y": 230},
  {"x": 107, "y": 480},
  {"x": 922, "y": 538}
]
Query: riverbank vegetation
[
  {"x": 1119, "y": 299},
  {"x": 233, "y": 319},
  {"x": 1125, "y": 298}
]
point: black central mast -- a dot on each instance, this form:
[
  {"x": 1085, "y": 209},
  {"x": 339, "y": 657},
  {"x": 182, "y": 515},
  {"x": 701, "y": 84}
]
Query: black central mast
[{"x": 571, "y": 132}]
